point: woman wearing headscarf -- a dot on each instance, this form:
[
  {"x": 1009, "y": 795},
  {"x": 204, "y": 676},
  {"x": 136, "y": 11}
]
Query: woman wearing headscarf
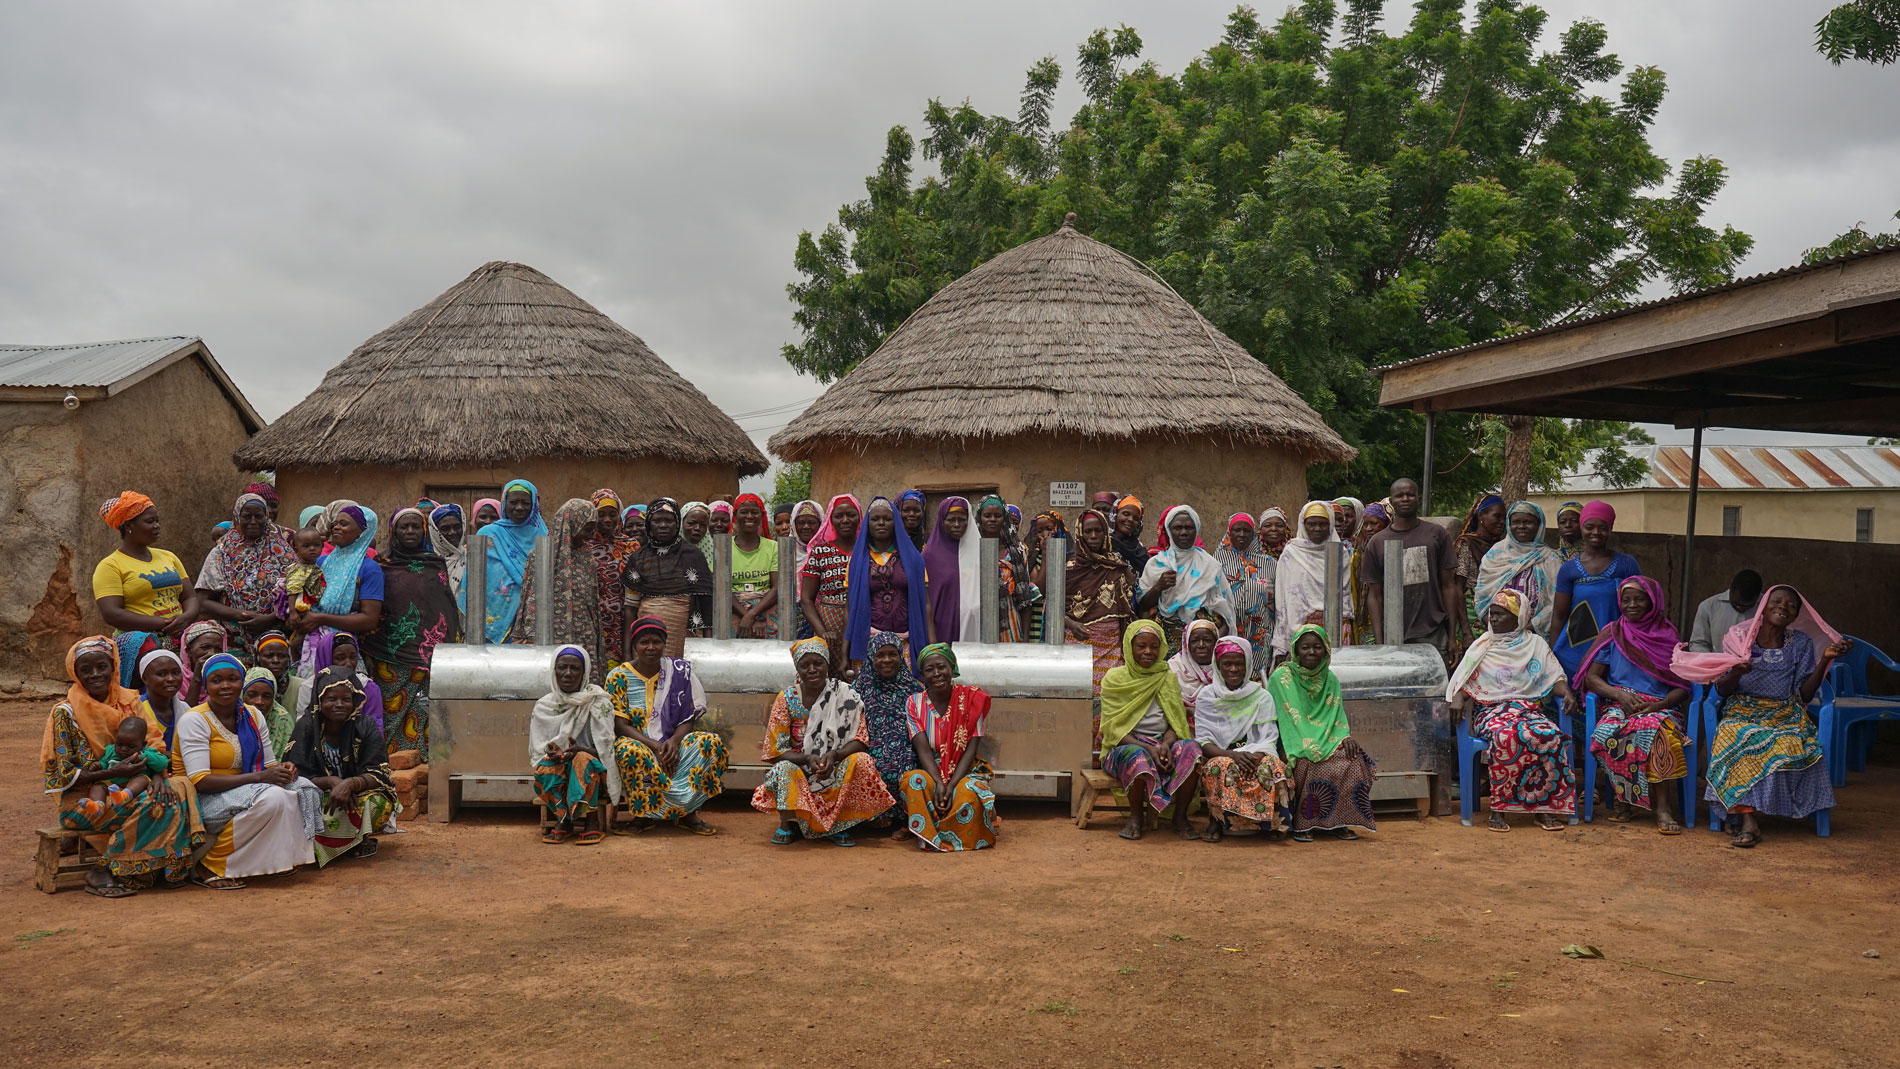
[
  {"x": 574, "y": 588},
  {"x": 1300, "y": 579},
  {"x": 669, "y": 766},
  {"x": 1238, "y": 731},
  {"x": 1332, "y": 774},
  {"x": 141, "y": 837},
  {"x": 884, "y": 686},
  {"x": 1274, "y": 532},
  {"x": 1249, "y": 572},
  {"x": 340, "y": 649},
  {"x": 487, "y": 511},
  {"x": 1125, "y": 535},
  {"x": 567, "y": 731},
  {"x": 352, "y": 598},
  {"x": 948, "y": 804},
  {"x": 140, "y": 587},
  {"x": 273, "y": 653},
  {"x": 911, "y": 509},
  {"x": 1014, "y": 592},
  {"x": 1639, "y": 738},
  {"x": 721, "y": 510},
  {"x": 1147, "y": 741},
  {"x": 1193, "y": 663},
  {"x": 885, "y": 589},
  {"x": 1587, "y": 585},
  {"x": 419, "y": 614},
  {"x": 824, "y": 579},
  {"x": 1346, "y": 513},
  {"x": 755, "y": 590},
  {"x": 342, "y": 754},
  {"x": 1501, "y": 684},
  {"x": 1522, "y": 562},
  {"x": 951, "y": 564},
  {"x": 1483, "y": 526},
  {"x": 1184, "y": 582},
  {"x": 238, "y": 584},
  {"x": 446, "y": 539},
  {"x": 1048, "y": 524},
  {"x": 200, "y": 641},
  {"x": 1569, "y": 531},
  {"x": 696, "y": 527},
  {"x": 668, "y": 578},
  {"x": 161, "y": 677},
  {"x": 510, "y": 549},
  {"x": 1766, "y": 757},
  {"x": 822, "y": 781},
  {"x": 609, "y": 544},
  {"x": 260, "y": 693},
  {"x": 1101, "y": 596},
  {"x": 1372, "y": 519},
  {"x": 633, "y": 519}
]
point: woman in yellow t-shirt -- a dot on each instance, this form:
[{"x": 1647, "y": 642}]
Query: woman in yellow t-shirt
[{"x": 138, "y": 586}]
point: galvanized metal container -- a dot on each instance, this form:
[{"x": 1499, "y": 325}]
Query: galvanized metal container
[
  {"x": 480, "y": 698},
  {"x": 1395, "y": 707}
]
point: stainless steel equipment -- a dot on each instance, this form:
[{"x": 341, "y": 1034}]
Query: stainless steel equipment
[
  {"x": 479, "y": 700},
  {"x": 1395, "y": 705}
]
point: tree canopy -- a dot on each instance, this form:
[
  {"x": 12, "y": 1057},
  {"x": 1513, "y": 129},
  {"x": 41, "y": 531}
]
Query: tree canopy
[
  {"x": 1332, "y": 197},
  {"x": 1866, "y": 30}
]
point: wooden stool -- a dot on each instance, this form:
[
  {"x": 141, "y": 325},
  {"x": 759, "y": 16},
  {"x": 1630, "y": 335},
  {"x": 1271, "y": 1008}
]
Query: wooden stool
[
  {"x": 55, "y": 871},
  {"x": 1092, "y": 790}
]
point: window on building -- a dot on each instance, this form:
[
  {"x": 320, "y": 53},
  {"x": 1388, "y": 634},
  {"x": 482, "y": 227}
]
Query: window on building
[
  {"x": 1863, "y": 525},
  {"x": 1731, "y": 520}
]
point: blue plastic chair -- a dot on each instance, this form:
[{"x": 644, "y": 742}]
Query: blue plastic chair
[
  {"x": 1857, "y": 710},
  {"x": 1824, "y": 731},
  {"x": 1590, "y": 760},
  {"x": 1471, "y": 747}
]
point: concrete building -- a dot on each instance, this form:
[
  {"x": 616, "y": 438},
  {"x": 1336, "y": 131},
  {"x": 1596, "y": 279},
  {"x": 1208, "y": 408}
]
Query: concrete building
[
  {"x": 506, "y": 375},
  {"x": 1063, "y": 361},
  {"x": 79, "y": 424}
]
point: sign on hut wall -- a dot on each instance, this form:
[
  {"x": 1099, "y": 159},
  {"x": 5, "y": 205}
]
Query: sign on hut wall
[{"x": 1068, "y": 495}]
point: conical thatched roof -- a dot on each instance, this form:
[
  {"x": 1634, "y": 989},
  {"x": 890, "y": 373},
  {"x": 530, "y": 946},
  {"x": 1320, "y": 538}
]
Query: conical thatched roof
[
  {"x": 507, "y": 365},
  {"x": 1062, "y": 335}
]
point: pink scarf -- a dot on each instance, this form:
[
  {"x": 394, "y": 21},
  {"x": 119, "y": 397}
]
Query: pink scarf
[
  {"x": 829, "y": 533},
  {"x": 1738, "y": 645},
  {"x": 1646, "y": 643}
]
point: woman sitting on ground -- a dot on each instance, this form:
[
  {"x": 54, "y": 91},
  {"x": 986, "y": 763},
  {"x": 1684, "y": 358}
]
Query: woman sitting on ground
[
  {"x": 1239, "y": 734},
  {"x": 260, "y": 693},
  {"x": 569, "y": 726},
  {"x": 340, "y": 750},
  {"x": 142, "y": 837},
  {"x": 1502, "y": 684},
  {"x": 200, "y": 641},
  {"x": 1639, "y": 737},
  {"x": 885, "y": 686},
  {"x": 1332, "y": 775},
  {"x": 668, "y": 768},
  {"x": 1147, "y": 742},
  {"x": 822, "y": 782},
  {"x": 1765, "y": 757},
  {"x": 261, "y": 815},
  {"x": 947, "y": 799}
]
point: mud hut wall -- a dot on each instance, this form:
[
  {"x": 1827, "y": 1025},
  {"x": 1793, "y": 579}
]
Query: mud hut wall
[{"x": 1216, "y": 478}]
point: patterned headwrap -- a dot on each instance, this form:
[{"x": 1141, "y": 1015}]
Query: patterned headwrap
[
  {"x": 121, "y": 510},
  {"x": 265, "y": 491},
  {"x": 648, "y": 623},
  {"x": 604, "y": 497},
  {"x": 270, "y": 638},
  {"x": 1570, "y": 506},
  {"x": 911, "y": 495},
  {"x": 222, "y": 659},
  {"x": 938, "y": 649},
  {"x": 718, "y": 507},
  {"x": 1376, "y": 508},
  {"x": 807, "y": 647}
]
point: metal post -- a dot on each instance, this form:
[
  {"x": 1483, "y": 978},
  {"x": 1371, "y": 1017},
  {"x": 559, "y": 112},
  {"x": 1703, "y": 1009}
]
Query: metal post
[
  {"x": 1055, "y": 614},
  {"x": 1425, "y": 477},
  {"x": 787, "y": 588},
  {"x": 990, "y": 569},
  {"x": 722, "y": 585},
  {"x": 1394, "y": 622},
  {"x": 1685, "y": 605},
  {"x": 475, "y": 592},
  {"x": 544, "y": 590},
  {"x": 1335, "y": 557}
]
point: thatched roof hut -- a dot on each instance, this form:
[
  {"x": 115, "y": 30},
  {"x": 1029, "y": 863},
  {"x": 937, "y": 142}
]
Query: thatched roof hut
[
  {"x": 508, "y": 373},
  {"x": 1065, "y": 357}
]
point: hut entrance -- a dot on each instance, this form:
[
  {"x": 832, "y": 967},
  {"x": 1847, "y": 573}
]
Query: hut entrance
[
  {"x": 463, "y": 495},
  {"x": 934, "y": 495}
]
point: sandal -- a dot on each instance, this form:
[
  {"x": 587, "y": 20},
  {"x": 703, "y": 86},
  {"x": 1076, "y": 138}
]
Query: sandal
[
  {"x": 1669, "y": 827},
  {"x": 697, "y": 826},
  {"x": 1302, "y": 836},
  {"x": 1214, "y": 832},
  {"x": 1549, "y": 822},
  {"x": 1745, "y": 840},
  {"x": 784, "y": 836},
  {"x": 557, "y": 836},
  {"x": 590, "y": 838},
  {"x": 1498, "y": 823},
  {"x": 842, "y": 838},
  {"x": 218, "y": 883},
  {"x": 1346, "y": 833},
  {"x": 1621, "y": 814},
  {"x": 111, "y": 890},
  {"x": 366, "y": 848}
]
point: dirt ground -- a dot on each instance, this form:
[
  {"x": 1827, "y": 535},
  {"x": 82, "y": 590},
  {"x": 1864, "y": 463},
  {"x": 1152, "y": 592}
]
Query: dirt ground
[{"x": 1428, "y": 944}]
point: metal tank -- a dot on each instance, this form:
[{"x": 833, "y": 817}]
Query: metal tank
[
  {"x": 479, "y": 700},
  {"x": 1395, "y": 708}
]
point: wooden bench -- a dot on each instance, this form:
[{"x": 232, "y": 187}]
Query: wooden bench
[
  {"x": 1092, "y": 794},
  {"x": 55, "y": 870}
]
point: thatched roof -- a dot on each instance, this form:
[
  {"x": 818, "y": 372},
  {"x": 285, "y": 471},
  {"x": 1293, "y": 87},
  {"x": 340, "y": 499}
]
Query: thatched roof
[
  {"x": 1062, "y": 335},
  {"x": 507, "y": 365}
]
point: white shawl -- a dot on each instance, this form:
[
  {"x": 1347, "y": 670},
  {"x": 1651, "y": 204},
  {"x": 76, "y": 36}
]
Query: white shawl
[
  {"x": 562, "y": 717},
  {"x": 1199, "y": 580},
  {"x": 1243, "y": 719},
  {"x": 1299, "y": 580}
]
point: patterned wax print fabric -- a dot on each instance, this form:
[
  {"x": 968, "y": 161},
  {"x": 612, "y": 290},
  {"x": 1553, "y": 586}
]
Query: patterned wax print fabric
[
  {"x": 850, "y": 794},
  {"x": 574, "y": 591},
  {"x": 886, "y": 716},
  {"x": 969, "y": 822},
  {"x": 1529, "y": 758},
  {"x": 699, "y": 771},
  {"x": 1766, "y": 755}
]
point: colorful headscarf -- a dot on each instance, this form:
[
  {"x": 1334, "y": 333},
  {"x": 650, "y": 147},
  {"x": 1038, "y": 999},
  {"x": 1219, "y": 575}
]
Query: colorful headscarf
[
  {"x": 828, "y": 533},
  {"x": 1098, "y": 583},
  {"x": 602, "y": 498},
  {"x": 123, "y": 509},
  {"x": 721, "y": 507},
  {"x": 1376, "y": 508},
  {"x": 1312, "y": 716},
  {"x": 250, "y": 749},
  {"x": 1517, "y": 665},
  {"x": 1570, "y": 506},
  {"x": 248, "y": 572},
  {"x": 1238, "y": 718},
  {"x": 1358, "y": 512},
  {"x": 952, "y": 571},
  {"x": 743, "y": 499},
  {"x": 1192, "y": 674},
  {"x": 1738, "y": 645},
  {"x": 940, "y": 649},
  {"x": 510, "y": 544},
  {"x": 1199, "y": 581},
  {"x": 98, "y": 720},
  {"x": 1529, "y": 567},
  {"x": 1129, "y": 690},
  {"x": 474, "y": 515},
  {"x": 1648, "y": 643},
  {"x": 703, "y": 543},
  {"x": 644, "y": 624},
  {"x": 631, "y": 511},
  {"x": 809, "y": 647},
  {"x": 309, "y": 515},
  {"x": 857, "y": 628},
  {"x": 265, "y": 492},
  {"x": 343, "y": 564}
]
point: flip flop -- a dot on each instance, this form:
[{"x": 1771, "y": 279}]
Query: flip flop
[
  {"x": 117, "y": 890},
  {"x": 1497, "y": 824},
  {"x": 1746, "y": 840},
  {"x": 1557, "y": 825},
  {"x": 697, "y": 827},
  {"x": 590, "y": 838},
  {"x": 1302, "y": 836},
  {"x": 557, "y": 836},
  {"x": 1669, "y": 829},
  {"x": 218, "y": 883},
  {"x": 366, "y": 848},
  {"x": 1346, "y": 833},
  {"x": 784, "y": 837},
  {"x": 842, "y": 838}
]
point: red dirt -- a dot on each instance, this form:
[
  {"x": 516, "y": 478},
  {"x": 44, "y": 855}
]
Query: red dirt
[{"x": 473, "y": 943}]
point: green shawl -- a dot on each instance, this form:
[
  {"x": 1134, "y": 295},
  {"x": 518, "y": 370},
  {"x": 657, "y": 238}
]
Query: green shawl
[
  {"x": 1129, "y": 690},
  {"x": 1312, "y": 717},
  {"x": 277, "y": 718}
]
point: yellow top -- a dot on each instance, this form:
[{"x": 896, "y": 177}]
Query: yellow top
[
  {"x": 150, "y": 588},
  {"x": 206, "y": 748}
]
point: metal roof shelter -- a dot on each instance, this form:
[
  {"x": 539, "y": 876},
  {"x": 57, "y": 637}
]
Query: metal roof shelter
[
  {"x": 94, "y": 371},
  {"x": 1809, "y": 348},
  {"x": 1756, "y": 467}
]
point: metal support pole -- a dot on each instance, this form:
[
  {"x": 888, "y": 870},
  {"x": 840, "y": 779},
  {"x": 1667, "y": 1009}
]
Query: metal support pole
[
  {"x": 1335, "y": 557},
  {"x": 1394, "y": 622},
  {"x": 989, "y": 569},
  {"x": 1425, "y": 477},
  {"x": 1685, "y": 605},
  {"x": 475, "y": 592},
  {"x": 544, "y": 590},
  {"x": 1055, "y": 557},
  {"x": 787, "y": 588},
  {"x": 722, "y": 585}
]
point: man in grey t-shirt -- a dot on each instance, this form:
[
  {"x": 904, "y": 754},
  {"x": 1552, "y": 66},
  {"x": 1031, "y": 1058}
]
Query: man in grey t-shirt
[
  {"x": 1719, "y": 612},
  {"x": 1429, "y": 576}
]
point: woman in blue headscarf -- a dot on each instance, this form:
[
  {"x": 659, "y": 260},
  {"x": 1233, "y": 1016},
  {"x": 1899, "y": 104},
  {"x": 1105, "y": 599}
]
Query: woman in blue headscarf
[
  {"x": 885, "y": 588},
  {"x": 510, "y": 544},
  {"x": 352, "y": 585}
]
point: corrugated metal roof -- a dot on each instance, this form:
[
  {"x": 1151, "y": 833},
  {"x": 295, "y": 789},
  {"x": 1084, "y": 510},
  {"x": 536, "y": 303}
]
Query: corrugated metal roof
[
  {"x": 1759, "y": 467},
  {"x": 94, "y": 364}
]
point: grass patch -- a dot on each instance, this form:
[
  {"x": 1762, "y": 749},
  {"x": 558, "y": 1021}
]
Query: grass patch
[
  {"x": 1063, "y": 1009},
  {"x": 26, "y": 939}
]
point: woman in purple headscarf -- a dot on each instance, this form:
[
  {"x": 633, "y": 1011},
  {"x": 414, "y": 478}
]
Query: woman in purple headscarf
[
  {"x": 952, "y": 573},
  {"x": 1639, "y": 738}
]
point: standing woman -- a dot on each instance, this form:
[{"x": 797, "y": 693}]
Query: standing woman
[
  {"x": 1300, "y": 579},
  {"x": 1372, "y": 519},
  {"x": 807, "y": 517},
  {"x": 721, "y": 518},
  {"x": 824, "y": 579},
  {"x": 1501, "y": 684},
  {"x": 445, "y": 540},
  {"x": 1184, "y": 582},
  {"x": 238, "y": 584},
  {"x": 633, "y": 519},
  {"x": 610, "y": 545},
  {"x": 353, "y": 585},
  {"x": 570, "y": 726},
  {"x": 910, "y": 509},
  {"x": 1522, "y": 562},
  {"x": 1147, "y": 741},
  {"x": 1239, "y": 734},
  {"x": 1274, "y": 532},
  {"x": 1587, "y": 585},
  {"x": 1101, "y": 595},
  {"x": 574, "y": 588},
  {"x": 669, "y": 768},
  {"x": 1639, "y": 737},
  {"x": 342, "y": 754},
  {"x": 487, "y": 511},
  {"x": 1332, "y": 775},
  {"x": 1249, "y": 570},
  {"x": 696, "y": 528},
  {"x": 885, "y": 686},
  {"x": 139, "y": 587},
  {"x": 886, "y": 588},
  {"x": 951, "y": 562},
  {"x": 1569, "y": 531},
  {"x": 668, "y": 578},
  {"x": 755, "y": 590},
  {"x": 947, "y": 798},
  {"x": 1484, "y": 525},
  {"x": 1125, "y": 534},
  {"x": 419, "y": 614},
  {"x": 142, "y": 837},
  {"x": 510, "y": 546},
  {"x": 822, "y": 782},
  {"x": 992, "y": 521}
]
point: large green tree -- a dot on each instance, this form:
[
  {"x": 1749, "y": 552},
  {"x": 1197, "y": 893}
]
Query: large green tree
[
  {"x": 1866, "y": 30},
  {"x": 1332, "y": 197}
]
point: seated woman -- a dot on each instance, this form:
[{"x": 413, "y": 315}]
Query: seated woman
[
  {"x": 1147, "y": 742},
  {"x": 1507, "y": 673},
  {"x": 822, "y": 782},
  {"x": 261, "y": 815},
  {"x": 142, "y": 837},
  {"x": 1239, "y": 734},
  {"x": 885, "y": 686},
  {"x": 1765, "y": 757},
  {"x": 260, "y": 693},
  {"x": 566, "y": 731},
  {"x": 1639, "y": 737},
  {"x": 947, "y": 797},
  {"x": 1332, "y": 775},
  {"x": 340, "y": 750},
  {"x": 668, "y": 768},
  {"x": 1193, "y": 665}
]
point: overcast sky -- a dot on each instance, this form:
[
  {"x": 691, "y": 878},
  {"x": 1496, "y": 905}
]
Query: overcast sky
[{"x": 286, "y": 180}]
